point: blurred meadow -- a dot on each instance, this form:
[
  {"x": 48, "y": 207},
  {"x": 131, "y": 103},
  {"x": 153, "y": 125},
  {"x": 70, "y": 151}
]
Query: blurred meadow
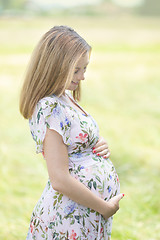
[{"x": 121, "y": 91}]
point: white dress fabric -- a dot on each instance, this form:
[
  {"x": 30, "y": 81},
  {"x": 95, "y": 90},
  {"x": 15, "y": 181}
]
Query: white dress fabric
[{"x": 55, "y": 216}]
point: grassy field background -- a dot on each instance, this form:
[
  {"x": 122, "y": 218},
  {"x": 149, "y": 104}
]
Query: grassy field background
[{"x": 121, "y": 91}]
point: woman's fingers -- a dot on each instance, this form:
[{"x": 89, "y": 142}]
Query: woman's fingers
[
  {"x": 113, "y": 206},
  {"x": 101, "y": 141},
  {"x": 101, "y": 148},
  {"x": 119, "y": 196},
  {"x": 115, "y": 201},
  {"x": 102, "y": 151},
  {"x": 107, "y": 155}
]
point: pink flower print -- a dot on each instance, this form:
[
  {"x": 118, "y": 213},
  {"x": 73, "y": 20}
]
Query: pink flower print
[
  {"x": 82, "y": 137},
  {"x": 117, "y": 179},
  {"x": 73, "y": 235}
]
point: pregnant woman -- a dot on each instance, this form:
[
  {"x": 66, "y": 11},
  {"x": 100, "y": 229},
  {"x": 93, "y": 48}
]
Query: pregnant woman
[{"x": 82, "y": 193}]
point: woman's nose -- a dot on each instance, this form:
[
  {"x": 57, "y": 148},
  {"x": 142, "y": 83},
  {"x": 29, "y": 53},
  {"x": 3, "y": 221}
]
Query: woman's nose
[{"x": 81, "y": 75}]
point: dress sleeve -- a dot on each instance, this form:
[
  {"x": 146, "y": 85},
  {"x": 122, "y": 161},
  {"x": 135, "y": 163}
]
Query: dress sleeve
[{"x": 49, "y": 113}]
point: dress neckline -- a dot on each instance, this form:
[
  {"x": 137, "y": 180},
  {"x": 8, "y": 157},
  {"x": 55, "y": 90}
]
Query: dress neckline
[{"x": 70, "y": 98}]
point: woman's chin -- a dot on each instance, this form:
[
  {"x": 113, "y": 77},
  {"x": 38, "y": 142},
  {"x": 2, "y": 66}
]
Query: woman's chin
[{"x": 72, "y": 87}]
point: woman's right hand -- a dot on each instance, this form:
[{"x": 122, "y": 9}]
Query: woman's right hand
[{"x": 112, "y": 206}]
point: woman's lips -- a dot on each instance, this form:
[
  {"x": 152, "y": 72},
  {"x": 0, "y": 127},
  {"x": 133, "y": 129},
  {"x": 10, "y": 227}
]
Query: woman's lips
[{"x": 75, "y": 83}]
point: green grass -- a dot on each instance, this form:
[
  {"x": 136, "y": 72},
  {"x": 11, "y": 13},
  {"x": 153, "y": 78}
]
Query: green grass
[{"x": 121, "y": 91}]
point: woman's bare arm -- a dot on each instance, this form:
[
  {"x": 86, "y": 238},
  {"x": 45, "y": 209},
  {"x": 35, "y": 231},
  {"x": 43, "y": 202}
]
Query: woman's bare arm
[{"x": 56, "y": 155}]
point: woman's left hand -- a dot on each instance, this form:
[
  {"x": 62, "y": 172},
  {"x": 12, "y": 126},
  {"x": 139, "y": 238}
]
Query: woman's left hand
[{"x": 101, "y": 148}]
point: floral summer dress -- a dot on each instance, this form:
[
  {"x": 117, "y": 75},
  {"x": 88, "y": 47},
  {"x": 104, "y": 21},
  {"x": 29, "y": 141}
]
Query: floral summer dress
[{"x": 55, "y": 216}]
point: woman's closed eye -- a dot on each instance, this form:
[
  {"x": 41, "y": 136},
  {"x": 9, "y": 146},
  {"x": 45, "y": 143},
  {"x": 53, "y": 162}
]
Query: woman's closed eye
[
  {"x": 85, "y": 68},
  {"x": 76, "y": 71}
]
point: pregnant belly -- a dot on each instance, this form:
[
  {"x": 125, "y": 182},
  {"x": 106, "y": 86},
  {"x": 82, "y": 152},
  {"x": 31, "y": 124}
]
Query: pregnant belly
[{"x": 99, "y": 175}]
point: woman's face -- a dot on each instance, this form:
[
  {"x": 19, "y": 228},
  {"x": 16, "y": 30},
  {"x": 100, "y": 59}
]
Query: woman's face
[{"x": 79, "y": 71}]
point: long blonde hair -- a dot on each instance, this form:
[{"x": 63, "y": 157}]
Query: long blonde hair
[{"x": 51, "y": 67}]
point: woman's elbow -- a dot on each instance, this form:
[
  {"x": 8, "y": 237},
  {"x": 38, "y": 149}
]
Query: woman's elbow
[
  {"x": 59, "y": 183},
  {"x": 55, "y": 186}
]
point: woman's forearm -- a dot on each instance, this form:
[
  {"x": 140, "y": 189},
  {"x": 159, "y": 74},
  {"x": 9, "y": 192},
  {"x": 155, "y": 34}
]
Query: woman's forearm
[{"x": 79, "y": 193}]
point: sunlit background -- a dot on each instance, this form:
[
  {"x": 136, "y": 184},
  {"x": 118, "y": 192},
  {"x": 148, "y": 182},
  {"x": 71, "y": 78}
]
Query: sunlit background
[{"x": 121, "y": 91}]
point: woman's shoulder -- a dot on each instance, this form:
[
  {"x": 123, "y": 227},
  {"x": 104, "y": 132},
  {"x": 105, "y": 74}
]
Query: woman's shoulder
[
  {"x": 45, "y": 104},
  {"x": 49, "y": 102},
  {"x": 50, "y": 99},
  {"x": 54, "y": 98},
  {"x": 48, "y": 106}
]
